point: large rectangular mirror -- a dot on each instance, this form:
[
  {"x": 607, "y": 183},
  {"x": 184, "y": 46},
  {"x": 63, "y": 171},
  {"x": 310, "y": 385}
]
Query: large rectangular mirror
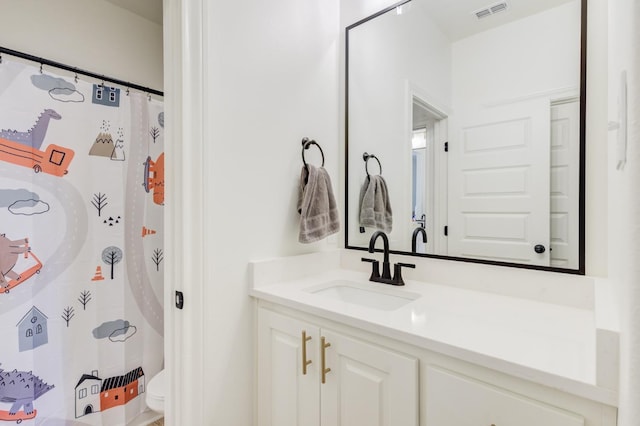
[{"x": 465, "y": 131}]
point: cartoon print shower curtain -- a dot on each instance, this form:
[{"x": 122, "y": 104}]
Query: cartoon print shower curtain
[{"x": 81, "y": 248}]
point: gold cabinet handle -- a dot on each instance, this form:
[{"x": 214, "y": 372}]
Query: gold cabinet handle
[
  {"x": 305, "y": 361},
  {"x": 323, "y": 359}
]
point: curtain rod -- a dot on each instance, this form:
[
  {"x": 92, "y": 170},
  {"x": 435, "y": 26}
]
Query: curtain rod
[{"x": 43, "y": 61}]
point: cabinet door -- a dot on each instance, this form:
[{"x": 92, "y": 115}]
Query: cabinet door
[
  {"x": 454, "y": 400},
  {"x": 286, "y": 396},
  {"x": 367, "y": 385}
]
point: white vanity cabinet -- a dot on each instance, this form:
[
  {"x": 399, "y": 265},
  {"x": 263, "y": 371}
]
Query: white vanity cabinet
[
  {"x": 287, "y": 395},
  {"x": 372, "y": 380},
  {"x": 455, "y": 400},
  {"x": 313, "y": 376}
]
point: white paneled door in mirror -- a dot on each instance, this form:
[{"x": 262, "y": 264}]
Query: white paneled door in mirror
[{"x": 499, "y": 189}]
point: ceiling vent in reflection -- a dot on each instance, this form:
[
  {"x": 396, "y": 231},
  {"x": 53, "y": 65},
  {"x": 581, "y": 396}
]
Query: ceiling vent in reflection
[{"x": 490, "y": 10}]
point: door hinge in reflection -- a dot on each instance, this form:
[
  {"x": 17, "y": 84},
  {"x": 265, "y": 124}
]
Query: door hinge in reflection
[
  {"x": 446, "y": 147},
  {"x": 179, "y": 300},
  {"x": 446, "y": 231}
]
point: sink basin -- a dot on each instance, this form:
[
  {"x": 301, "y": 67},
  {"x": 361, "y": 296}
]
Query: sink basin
[{"x": 357, "y": 294}]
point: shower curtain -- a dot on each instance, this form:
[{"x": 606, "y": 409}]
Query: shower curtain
[{"x": 81, "y": 248}]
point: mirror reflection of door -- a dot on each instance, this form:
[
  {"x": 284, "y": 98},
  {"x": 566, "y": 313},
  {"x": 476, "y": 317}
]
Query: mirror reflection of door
[
  {"x": 503, "y": 156},
  {"x": 429, "y": 134},
  {"x": 500, "y": 182}
]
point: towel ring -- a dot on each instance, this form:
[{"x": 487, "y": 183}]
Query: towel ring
[
  {"x": 366, "y": 157},
  {"x": 306, "y": 143}
]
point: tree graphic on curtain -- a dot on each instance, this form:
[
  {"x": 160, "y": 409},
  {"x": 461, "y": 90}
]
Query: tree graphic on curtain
[
  {"x": 67, "y": 314},
  {"x": 158, "y": 256},
  {"x": 99, "y": 201},
  {"x": 84, "y": 298},
  {"x": 111, "y": 255}
]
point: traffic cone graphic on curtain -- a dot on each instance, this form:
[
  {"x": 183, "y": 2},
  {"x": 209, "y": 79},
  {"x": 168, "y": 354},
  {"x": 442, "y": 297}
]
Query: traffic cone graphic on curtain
[
  {"x": 98, "y": 275},
  {"x": 146, "y": 231}
]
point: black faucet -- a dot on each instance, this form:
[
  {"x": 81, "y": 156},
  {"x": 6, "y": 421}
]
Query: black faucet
[
  {"x": 386, "y": 268},
  {"x": 414, "y": 238}
]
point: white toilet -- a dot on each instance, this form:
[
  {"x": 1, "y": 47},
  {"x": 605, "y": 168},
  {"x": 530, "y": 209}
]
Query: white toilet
[{"x": 155, "y": 393}]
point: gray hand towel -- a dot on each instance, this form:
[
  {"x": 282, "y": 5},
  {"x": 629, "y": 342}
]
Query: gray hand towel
[
  {"x": 375, "y": 207},
  {"x": 317, "y": 206}
]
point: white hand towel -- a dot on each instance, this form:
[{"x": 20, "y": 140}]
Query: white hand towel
[
  {"x": 375, "y": 207},
  {"x": 317, "y": 206}
]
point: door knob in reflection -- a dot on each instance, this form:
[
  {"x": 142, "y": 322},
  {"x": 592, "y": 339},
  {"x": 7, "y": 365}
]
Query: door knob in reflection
[{"x": 539, "y": 248}]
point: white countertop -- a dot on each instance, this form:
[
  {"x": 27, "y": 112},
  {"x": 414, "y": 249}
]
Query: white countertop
[{"x": 546, "y": 343}]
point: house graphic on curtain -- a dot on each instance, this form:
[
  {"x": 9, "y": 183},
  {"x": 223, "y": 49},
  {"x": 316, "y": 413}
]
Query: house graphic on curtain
[
  {"x": 94, "y": 394},
  {"x": 107, "y": 96},
  {"x": 32, "y": 330}
]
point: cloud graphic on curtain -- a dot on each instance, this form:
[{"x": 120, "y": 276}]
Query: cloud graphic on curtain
[
  {"x": 117, "y": 330},
  {"x": 66, "y": 95},
  {"x": 22, "y": 202},
  {"x": 28, "y": 207},
  {"x": 58, "y": 88}
]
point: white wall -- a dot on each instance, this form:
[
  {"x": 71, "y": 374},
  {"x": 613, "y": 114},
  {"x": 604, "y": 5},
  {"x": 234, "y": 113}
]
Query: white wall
[
  {"x": 624, "y": 246},
  {"x": 531, "y": 56},
  {"x": 89, "y": 34},
  {"x": 255, "y": 80},
  {"x": 272, "y": 80}
]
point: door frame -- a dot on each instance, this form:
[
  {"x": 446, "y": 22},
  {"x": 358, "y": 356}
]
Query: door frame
[
  {"x": 185, "y": 65},
  {"x": 438, "y": 172}
]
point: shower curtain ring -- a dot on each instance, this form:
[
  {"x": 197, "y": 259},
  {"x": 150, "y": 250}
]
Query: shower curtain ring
[
  {"x": 75, "y": 78},
  {"x": 41, "y": 68},
  {"x": 149, "y": 97},
  {"x": 127, "y": 91}
]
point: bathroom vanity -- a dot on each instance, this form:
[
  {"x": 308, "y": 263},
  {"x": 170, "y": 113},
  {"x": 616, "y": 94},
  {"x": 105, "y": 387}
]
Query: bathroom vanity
[{"x": 336, "y": 349}]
